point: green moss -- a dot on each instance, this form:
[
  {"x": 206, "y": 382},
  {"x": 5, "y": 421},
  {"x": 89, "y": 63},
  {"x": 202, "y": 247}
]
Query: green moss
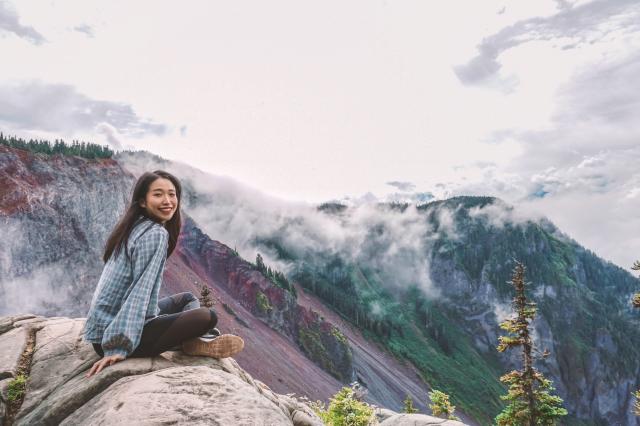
[
  {"x": 233, "y": 313},
  {"x": 311, "y": 343},
  {"x": 338, "y": 335},
  {"x": 263, "y": 303},
  {"x": 229, "y": 309}
]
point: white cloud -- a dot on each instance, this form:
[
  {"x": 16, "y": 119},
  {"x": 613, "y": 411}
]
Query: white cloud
[
  {"x": 573, "y": 26},
  {"x": 324, "y": 102},
  {"x": 10, "y": 23},
  {"x": 60, "y": 108},
  {"x": 394, "y": 244}
]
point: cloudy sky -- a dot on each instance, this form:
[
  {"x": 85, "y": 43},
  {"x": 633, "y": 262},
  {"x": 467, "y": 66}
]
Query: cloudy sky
[{"x": 535, "y": 102}]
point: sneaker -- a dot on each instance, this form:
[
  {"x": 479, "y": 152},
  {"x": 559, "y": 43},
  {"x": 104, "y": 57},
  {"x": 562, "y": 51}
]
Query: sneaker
[
  {"x": 212, "y": 334},
  {"x": 220, "y": 347}
]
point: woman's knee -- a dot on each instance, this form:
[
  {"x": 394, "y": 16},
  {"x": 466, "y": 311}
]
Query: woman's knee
[
  {"x": 206, "y": 316},
  {"x": 184, "y": 298},
  {"x": 213, "y": 318}
]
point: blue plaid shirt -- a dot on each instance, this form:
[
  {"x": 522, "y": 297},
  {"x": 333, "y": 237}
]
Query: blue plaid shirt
[{"x": 127, "y": 294}]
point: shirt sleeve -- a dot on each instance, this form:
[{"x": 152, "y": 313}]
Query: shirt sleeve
[{"x": 149, "y": 254}]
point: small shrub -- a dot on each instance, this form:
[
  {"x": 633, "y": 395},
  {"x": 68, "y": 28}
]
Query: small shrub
[
  {"x": 263, "y": 303},
  {"x": 338, "y": 335},
  {"x": 636, "y": 405},
  {"x": 16, "y": 388},
  {"x": 408, "y": 406},
  {"x": 345, "y": 410},
  {"x": 441, "y": 406},
  {"x": 229, "y": 309},
  {"x": 205, "y": 297}
]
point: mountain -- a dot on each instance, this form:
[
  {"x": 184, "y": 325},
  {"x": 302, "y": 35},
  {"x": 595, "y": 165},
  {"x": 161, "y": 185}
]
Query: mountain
[
  {"x": 172, "y": 388},
  {"x": 57, "y": 211},
  {"x": 449, "y": 330},
  {"x": 396, "y": 296},
  {"x": 184, "y": 389}
]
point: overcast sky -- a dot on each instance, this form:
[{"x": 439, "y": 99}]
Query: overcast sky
[{"x": 536, "y": 102}]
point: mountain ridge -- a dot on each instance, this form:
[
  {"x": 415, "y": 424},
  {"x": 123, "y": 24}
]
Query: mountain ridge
[{"x": 583, "y": 315}]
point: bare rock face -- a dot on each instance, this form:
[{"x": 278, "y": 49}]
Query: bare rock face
[
  {"x": 180, "y": 395},
  {"x": 387, "y": 417},
  {"x": 320, "y": 340},
  {"x": 172, "y": 388},
  {"x": 418, "y": 420}
]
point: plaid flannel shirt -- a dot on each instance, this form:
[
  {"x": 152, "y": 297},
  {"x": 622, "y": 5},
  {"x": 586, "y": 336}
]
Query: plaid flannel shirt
[{"x": 126, "y": 297}]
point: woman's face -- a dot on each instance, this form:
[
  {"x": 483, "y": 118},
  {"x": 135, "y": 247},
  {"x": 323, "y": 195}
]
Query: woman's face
[{"x": 161, "y": 201}]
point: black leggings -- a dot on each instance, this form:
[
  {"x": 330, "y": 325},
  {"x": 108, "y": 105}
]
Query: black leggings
[{"x": 181, "y": 318}]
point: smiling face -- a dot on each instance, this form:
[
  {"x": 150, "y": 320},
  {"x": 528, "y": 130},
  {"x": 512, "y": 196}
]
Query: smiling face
[{"x": 161, "y": 200}]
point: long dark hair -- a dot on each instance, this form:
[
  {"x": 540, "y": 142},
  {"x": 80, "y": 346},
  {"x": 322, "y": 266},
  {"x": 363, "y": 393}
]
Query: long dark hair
[{"x": 120, "y": 234}]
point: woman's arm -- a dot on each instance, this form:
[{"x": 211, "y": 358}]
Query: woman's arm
[{"x": 122, "y": 335}]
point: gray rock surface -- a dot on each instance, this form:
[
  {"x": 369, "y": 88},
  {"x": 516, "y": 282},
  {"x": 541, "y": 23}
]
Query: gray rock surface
[
  {"x": 11, "y": 346},
  {"x": 172, "y": 388},
  {"x": 417, "y": 420},
  {"x": 180, "y": 395}
]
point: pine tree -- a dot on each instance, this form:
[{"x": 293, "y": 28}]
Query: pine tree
[
  {"x": 260, "y": 263},
  {"x": 408, "y": 406},
  {"x": 205, "y": 297},
  {"x": 530, "y": 401},
  {"x": 441, "y": 406}
]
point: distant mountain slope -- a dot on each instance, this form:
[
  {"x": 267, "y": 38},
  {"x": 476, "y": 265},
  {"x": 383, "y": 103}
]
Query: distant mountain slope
[
  {"x": 426, "y": 284},
  {"x": 57, "y": 211},
  {"x": 430, "y": 285},
  {"x": 449, "y": 331}
]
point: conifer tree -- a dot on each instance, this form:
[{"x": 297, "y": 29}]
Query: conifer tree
[
  {"x": 441, "y": 406},
  {"x": 530, "y": 401},
  {"x": 260, "y": 263},
  {"x": 408, "y": 405},
  {"x": 205, "y": 297}
]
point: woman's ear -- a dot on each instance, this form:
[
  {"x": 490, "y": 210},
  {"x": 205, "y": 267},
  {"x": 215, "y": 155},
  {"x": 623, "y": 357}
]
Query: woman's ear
[{"x": 142, "y": 203}]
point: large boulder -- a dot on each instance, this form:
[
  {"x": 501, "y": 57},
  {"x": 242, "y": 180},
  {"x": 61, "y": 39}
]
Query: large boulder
[
  {"x": 172, "y": 388},
  {"x": 387, "y": 417},
  {"x": 418, "y": 420},
  {"x": 180, "y": 395}
]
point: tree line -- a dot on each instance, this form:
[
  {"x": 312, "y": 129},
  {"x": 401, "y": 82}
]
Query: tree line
[
  {"x": 275, "y": 276},
  {"x": 59, "y": 146}
]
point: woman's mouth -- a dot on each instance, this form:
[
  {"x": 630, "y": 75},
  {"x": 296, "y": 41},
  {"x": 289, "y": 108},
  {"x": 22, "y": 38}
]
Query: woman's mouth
[{"x": 166, "y": 209}]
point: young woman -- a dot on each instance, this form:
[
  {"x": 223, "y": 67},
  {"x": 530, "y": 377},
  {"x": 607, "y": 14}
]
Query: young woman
[{"x": 126, "y": 319}]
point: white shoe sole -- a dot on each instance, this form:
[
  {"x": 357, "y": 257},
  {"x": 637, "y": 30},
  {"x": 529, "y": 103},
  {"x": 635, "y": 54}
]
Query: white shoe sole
[{"x": 221, "y": 347}]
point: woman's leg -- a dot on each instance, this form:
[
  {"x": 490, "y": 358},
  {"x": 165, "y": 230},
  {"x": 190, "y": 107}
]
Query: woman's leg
[
  {"x": 178, "y": 303},
  {"x": 165, "y": 332}
]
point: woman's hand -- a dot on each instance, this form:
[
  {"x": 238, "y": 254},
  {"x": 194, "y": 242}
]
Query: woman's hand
[{"x": 102, "y": 363}]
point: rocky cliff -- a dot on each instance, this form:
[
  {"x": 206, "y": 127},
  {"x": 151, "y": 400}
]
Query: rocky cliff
[
  {"x": 320, "y": 340},
  {"x": 56, "y": 212},
  {"x": 584, "y": 315},
  {"x": 172, "y": 388}
]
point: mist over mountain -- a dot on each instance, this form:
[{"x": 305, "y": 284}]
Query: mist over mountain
[{"x": 426, "y": 282}]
